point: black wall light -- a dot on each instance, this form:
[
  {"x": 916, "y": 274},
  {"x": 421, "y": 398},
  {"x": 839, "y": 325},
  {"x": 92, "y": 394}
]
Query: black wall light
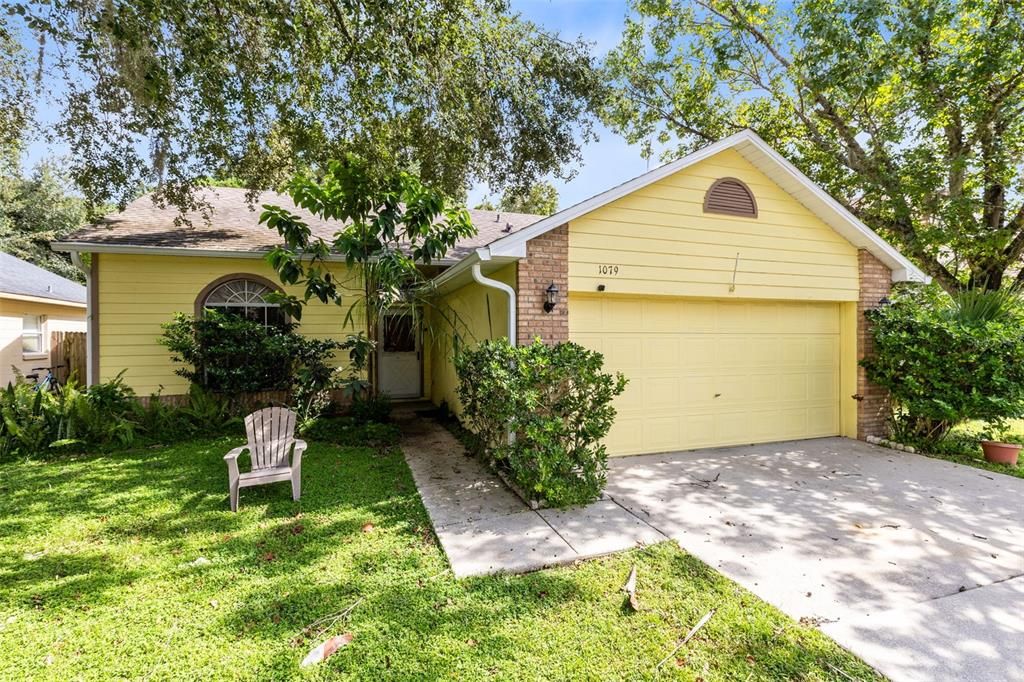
[{"x": 550, "y": 297}]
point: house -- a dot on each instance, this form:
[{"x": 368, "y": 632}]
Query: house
[
  {"x": 726, "y": 286},
  {"x": 33, "y": 304}
]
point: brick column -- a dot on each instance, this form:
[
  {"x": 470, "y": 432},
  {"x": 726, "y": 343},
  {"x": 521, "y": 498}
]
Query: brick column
[
  {"x": 875, "y": 284},
  {"x": 547, "y": 261}
]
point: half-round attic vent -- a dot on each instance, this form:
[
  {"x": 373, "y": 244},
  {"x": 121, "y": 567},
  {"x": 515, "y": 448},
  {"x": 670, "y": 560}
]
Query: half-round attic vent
[{"x": 732, "y": 197}]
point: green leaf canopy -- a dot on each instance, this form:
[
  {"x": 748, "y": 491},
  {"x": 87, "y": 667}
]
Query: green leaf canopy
[
  {"x": 454, "y": 90},
  {"x": 910, "y": 112}
]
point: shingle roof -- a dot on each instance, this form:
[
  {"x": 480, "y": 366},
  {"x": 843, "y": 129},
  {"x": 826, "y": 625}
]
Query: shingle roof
[
  {"x": 234, "y": 225},
  {"x": 21, "y": 278}
]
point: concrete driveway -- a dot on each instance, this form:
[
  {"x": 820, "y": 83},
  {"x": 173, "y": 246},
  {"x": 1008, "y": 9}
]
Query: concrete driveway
[{"x": 912, "y": 563}]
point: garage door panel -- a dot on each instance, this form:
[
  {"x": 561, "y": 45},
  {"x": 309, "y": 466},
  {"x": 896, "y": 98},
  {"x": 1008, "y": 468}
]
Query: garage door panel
[
  {"x": 705, "y": 372},
  {"x": 697, "y": 351},
  {"x": 660, "y": 391},
  {"x": 661, "y": 351},
  {"x": 661, "y": 432}
]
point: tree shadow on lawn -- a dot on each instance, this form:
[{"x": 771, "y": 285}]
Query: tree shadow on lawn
[
  {"x": 566, "y": 622},
  {"x": 173, "y": 502},
  {"x": 405, "y": 619},
  {"x": 58, "y": 580}
]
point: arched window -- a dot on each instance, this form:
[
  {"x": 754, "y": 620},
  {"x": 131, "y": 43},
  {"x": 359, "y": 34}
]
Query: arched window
[
  {"x": 731, "y": 197},
  {"x": 245, "y": 297}
]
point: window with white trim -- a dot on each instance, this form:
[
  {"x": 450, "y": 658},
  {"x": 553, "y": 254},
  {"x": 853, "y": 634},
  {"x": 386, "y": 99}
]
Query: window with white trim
[
  {"x": 32, "y": 340},
  {"x": 246, "y": 298}
]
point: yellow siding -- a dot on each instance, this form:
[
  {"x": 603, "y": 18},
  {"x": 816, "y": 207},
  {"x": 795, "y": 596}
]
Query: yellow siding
[
  {"x": 138, "y": 293},
  {"x": 57, "y": 318},
  {"x": 663, "y": 243},
  {"x": 848, "y": 369},
  {"x": 472, "y": 313},
  {"x": 707, "y": 372}
]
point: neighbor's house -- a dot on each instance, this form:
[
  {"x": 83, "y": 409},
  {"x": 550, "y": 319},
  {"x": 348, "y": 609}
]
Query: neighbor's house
[
  {"x": 726, "y": 286},
  {"x": 34, "y": 303}
]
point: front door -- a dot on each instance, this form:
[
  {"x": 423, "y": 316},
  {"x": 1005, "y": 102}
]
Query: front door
[{"x": 400, "y": 359}]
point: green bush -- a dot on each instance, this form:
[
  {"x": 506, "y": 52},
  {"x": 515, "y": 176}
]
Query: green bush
[
  {"x": 229, "y": 354},
  {"x": 370, "y": 408},
  {"x": 945, "y": 362},
  {"x": 102, "y": 418},
  {"x": 35, "y": 422},
  {"x": 556, "y": 400}
]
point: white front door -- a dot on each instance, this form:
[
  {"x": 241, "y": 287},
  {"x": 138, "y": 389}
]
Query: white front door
[{"x": 400, "y": 359}]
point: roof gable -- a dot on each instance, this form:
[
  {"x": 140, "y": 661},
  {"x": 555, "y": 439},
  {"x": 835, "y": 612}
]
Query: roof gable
[{"x": 769, "y": 162}]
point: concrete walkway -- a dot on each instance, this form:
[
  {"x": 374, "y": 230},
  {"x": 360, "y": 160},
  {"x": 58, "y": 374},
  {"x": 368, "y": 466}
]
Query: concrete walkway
[
  {"x": 912, "y": 563},
  {"x": 486, "y": 528}
]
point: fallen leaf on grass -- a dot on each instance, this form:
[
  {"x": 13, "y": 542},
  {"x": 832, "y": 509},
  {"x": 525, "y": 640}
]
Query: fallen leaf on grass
[
  {"x": 268, "y": 556},
  {"x": 329, "y": 647}
]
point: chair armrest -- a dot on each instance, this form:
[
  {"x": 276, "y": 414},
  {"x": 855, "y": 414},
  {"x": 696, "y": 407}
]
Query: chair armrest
[
  {"x": 233, "y": 455},
  {"x": 299, "y": 447}
]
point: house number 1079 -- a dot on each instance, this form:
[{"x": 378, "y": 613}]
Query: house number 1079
[{"x": 607, "y": 269}]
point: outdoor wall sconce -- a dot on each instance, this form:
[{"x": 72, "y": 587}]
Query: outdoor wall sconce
[{"x": 550, "y": 297}]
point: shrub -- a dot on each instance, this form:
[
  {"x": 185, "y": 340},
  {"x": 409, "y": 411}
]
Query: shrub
[
  {"x": 556, "y": 400},
  {"x": 946, "y": 362},
  {"x": 34, "y": 422},
  {"x": 370, "y": 408},
  {"x": 229, "y": 354}
]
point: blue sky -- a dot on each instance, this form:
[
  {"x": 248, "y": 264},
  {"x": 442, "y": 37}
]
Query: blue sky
[
  {"x": 606, "y": 162},
  {"x": 609, "y": 161}
]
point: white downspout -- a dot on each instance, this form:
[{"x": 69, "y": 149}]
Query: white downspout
[
  {"x": 501, "y": 286},
  {"x": 76, "y": 259},
  {"x": 513, "y": 333}
]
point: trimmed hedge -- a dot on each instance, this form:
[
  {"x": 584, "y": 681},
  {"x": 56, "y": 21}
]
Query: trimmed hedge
[{"x": 556, "y": 400}]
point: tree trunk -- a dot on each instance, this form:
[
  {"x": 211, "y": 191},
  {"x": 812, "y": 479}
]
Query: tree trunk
[{"x": 988, "y": 276}]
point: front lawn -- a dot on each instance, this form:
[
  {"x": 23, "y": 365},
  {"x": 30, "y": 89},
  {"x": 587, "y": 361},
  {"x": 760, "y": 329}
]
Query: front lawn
[{"x": 131, "y": 566}]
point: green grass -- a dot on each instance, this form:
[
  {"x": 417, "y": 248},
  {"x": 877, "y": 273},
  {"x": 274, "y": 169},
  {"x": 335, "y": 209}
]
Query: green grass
[{"x": 97, "y": 582}]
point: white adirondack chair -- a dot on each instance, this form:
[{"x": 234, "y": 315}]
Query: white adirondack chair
[{"x": 271, "y": 436}]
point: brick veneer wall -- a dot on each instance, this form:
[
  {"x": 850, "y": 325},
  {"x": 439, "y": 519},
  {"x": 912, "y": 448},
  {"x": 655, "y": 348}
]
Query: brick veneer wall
[
  {"x": 547, "y": 261},
  {"x": 875, "y": 284}
]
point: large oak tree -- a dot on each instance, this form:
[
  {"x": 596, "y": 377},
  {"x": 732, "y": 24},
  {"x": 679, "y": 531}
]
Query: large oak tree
[
  {"x": 455, "y": 90},
  {"x": 911, "y": 112}
]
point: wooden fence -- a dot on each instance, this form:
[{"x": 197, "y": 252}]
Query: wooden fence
[{"x": 68, "y": 349}]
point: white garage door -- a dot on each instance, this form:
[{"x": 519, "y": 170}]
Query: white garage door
[{"x": 708, "y": 373}]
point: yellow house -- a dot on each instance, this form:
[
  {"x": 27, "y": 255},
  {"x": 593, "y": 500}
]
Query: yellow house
[
  {"x": 726, "y": 286},
  {"x": 34, "y": 303}
]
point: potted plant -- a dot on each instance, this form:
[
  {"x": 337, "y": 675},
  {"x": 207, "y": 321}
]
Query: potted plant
[{"x": 996, "y": 449}]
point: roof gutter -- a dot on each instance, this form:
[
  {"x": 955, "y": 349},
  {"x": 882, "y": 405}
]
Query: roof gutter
[
  {"x": 41, "y": 299},
  {"x": 129, "y": 249},
  {"x": 479, "y": 278}
]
